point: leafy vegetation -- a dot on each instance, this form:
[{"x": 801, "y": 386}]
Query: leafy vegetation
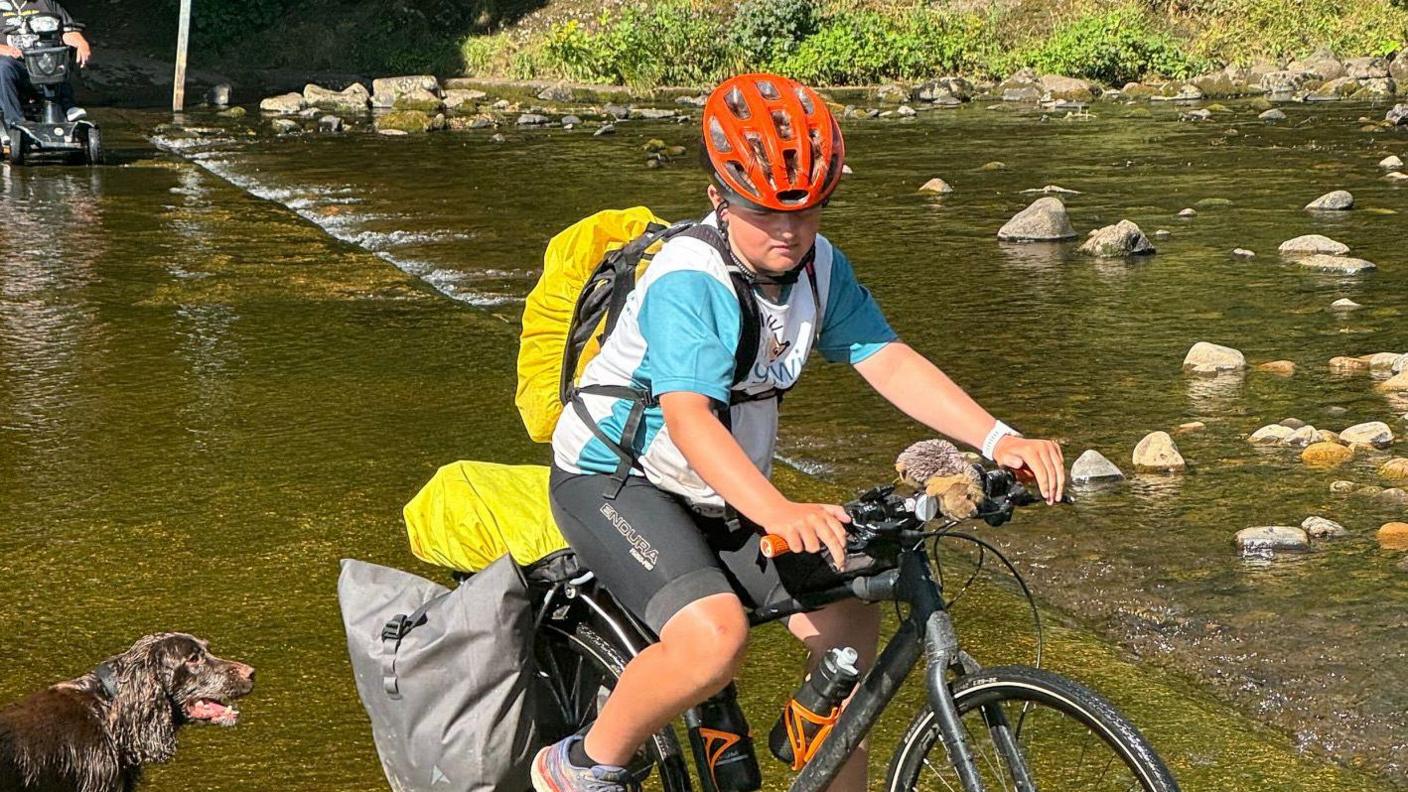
[{"x": 1113, "y": 45}]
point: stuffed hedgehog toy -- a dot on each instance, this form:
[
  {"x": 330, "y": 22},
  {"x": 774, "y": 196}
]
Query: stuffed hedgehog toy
[{"x": 938, "y": 468}]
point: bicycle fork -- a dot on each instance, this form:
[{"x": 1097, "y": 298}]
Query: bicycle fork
[{"x": 928, "y": 623}]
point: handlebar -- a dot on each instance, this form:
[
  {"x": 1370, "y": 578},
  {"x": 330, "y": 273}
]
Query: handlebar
[{"x": 879, "y": 512}]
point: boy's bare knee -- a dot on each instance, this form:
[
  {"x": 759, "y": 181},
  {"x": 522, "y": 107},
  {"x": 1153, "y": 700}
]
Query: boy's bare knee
[{"x": 708, "y": 647}]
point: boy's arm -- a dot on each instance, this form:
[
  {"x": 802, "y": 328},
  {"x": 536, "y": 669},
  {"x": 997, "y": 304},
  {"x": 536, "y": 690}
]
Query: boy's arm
[
  {"x": 918, "y": 388},
  {"x": 715, "y": 455}
]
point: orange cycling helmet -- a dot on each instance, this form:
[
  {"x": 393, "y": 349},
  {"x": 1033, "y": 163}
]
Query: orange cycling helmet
[{"x": 770, "y": 143}]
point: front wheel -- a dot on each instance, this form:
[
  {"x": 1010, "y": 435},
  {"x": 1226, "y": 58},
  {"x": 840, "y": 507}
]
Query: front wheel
[
  {"x": 19, "y": 148},
  {"x": 93, "y": 146},
  {"x": 1031, "y": 730}
]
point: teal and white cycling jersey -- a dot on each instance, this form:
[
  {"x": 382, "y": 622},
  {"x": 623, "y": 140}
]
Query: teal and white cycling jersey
[{"x": 678, "y": 332}]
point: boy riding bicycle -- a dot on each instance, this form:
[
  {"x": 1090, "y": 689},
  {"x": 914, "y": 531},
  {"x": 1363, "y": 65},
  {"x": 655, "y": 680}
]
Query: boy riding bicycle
[{"x": 643, "y": 490}]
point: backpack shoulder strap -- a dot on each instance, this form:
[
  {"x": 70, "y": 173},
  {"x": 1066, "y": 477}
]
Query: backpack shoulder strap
[{"x": 750, "y": 319}]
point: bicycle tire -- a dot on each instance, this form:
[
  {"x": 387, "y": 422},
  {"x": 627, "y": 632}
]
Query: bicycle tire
[
  {"x": 1031, "y": 686},
  {"x": 608, "y": 661}
]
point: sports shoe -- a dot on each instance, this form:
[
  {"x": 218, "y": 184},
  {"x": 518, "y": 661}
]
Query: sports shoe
[
  {"x": 553, "y": 771},
  {"x": 76, "y": 113}
]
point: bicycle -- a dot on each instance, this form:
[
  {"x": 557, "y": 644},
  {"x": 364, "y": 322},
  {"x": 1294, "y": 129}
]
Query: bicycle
[{"x": 1010, "y": 727}]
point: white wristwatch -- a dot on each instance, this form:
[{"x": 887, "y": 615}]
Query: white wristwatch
[{"x": 998, "y": 431}]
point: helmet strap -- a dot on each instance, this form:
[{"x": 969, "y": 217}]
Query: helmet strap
[{"x": 747, "y": 270}]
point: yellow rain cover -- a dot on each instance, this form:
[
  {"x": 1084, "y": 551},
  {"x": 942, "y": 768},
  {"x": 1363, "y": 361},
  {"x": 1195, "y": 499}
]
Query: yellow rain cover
[
  {"x": 471, "y": 513},
  {"x": 570, "y": 259}
]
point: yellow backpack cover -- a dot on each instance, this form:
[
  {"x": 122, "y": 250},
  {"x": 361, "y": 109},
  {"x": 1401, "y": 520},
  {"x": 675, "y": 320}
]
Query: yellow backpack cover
[
  {"x": 471, "y": 513},
  {"x": 572, "y": 257}
]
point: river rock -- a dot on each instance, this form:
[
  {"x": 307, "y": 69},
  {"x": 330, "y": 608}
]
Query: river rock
[
  {"x": 892, "y": 93},
  {"x": 1271, "y": 434},
  {"x": 1338, "y": 200},
  {"x": 651, "y": 113},
  {"x": 1396, "y": 469},
  {"x": 1284, "y": 368},
  {"x": 936, "y": 185},
  {"x": 1093, "y": 469},
  {"x": 1374, "y": 433},
  {"x": 1272, "y": 116},
  {"x": 1283, "y": 83},
  {"x": 352, "y": 99},
  {"x": 1367, "y": 68},
  {"x": 905, "y": 111},
  {"x": 1343, "y": 487},
  {"x": 1157, "y": 453},
  {"x": 1381, "y": 361},
  {"x": 1334, "y": 90},
  {"x": 1345, "y": 304},
  {"x": 1396, "y": 177},
  {"x": 1341, "y": 265},
  {"x": 330, "y": 123},
  {"x": 386, "y": 90},
  {"x": 1191, "y": 426},
  {"x": 462, "y": 99},
  {"x": 1269, "y": 539},
  {"x": 1327, "y": 436},
  {"x": 1348, "y": 365},
  {"x": 1293, "y": 423},
  {"x": 285, "y": 104},
  {"x": 1320, "y": 65},
  {"x": 1321, "y": 528},
  {"x": 604, "y": 129},
  {"x": 232, "y": 112},
  {"x": 1376, "y": 87},
  {"x": 616, "y": 111},
  {"x": 1313, "y": 243},
  {"x": 532, "y": 119},
  {"x": 1391, "y": 162},
  {"x": 1044, "y": 221},
  {"x": 556, "y": 93},
  {"x": 1326, "y": 454},
  {"x": 1243, "y": 253},
  {"x": 1208, "y": 358},
  {"x": 1071, "y": 89},
  {"x": 1393, "y": 498},
  {"x": 419, "y": 99},
  {"x": 1393, "y": 536},
  {"x": 1303, "y": 437},
  {"x": 403, "y": 121},
  {"x": 1397, "y": 115},
  {"x": 1121, "y": 239},
  {"x": 285, "y": 126},
  {"x": 1188, "y": 212}
]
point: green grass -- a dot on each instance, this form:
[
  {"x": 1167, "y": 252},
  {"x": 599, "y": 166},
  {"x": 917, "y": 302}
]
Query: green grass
[{"x": 694, "y": 42}]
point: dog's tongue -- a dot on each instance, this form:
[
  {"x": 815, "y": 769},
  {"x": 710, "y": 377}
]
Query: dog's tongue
[{"x": 213, "y": 711}]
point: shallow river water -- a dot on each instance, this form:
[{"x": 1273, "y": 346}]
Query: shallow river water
[{"x": 226, "y": 364}]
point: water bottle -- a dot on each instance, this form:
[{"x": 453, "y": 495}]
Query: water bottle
[
  {"x": 723, "y": 745},
  {"x": 811, "y": 713}
]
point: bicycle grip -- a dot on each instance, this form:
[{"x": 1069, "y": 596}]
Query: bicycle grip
[{"x": 772, "y": 546}]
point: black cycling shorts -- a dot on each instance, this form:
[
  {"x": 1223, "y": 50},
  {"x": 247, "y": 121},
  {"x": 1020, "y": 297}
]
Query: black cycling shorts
[{"x": 656, "y": 555}]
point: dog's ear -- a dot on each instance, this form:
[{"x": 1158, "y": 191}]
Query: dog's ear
[{"x": 142, "y": 719}]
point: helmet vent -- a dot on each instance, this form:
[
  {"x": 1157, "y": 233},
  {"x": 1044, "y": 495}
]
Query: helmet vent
[
  {"x": 768, "y": 90},
  {"x": 718, "y": 136},
  {"x": 737, "y": 104}
]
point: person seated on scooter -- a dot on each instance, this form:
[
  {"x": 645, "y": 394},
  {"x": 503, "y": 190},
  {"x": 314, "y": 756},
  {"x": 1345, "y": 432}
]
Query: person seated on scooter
[
  {"x": 14, "y": 77},
  {"x": 659, "y": 542}
]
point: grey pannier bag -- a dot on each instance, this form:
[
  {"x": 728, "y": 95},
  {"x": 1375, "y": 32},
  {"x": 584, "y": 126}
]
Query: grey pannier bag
[{"x": 446, "y": 676}]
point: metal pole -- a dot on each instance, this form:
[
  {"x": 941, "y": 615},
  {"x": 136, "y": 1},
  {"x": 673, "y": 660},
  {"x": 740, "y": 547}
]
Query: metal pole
[{"x": 178, "y": 87}]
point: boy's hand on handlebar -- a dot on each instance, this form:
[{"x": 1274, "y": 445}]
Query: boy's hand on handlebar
[
  {"x": 1042, "y": 457},
  {"x": 808, "y": 527}
]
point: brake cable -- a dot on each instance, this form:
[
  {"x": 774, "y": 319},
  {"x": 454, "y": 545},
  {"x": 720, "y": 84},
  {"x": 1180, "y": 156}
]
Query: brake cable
[{"x": 1016, "y": 575}]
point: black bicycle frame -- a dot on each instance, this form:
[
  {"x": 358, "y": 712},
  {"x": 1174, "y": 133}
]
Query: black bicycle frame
[{"x": 928, "y": 626}]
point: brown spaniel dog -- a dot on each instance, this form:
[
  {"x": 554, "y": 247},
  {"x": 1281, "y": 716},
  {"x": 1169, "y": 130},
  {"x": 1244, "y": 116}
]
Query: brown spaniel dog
[{"x": 94, "y": 733}]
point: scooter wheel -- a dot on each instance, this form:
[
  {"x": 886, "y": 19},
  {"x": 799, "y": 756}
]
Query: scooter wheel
[
  {"x": 19, "y": 148},
  {"x": 93, "y": 146}
]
